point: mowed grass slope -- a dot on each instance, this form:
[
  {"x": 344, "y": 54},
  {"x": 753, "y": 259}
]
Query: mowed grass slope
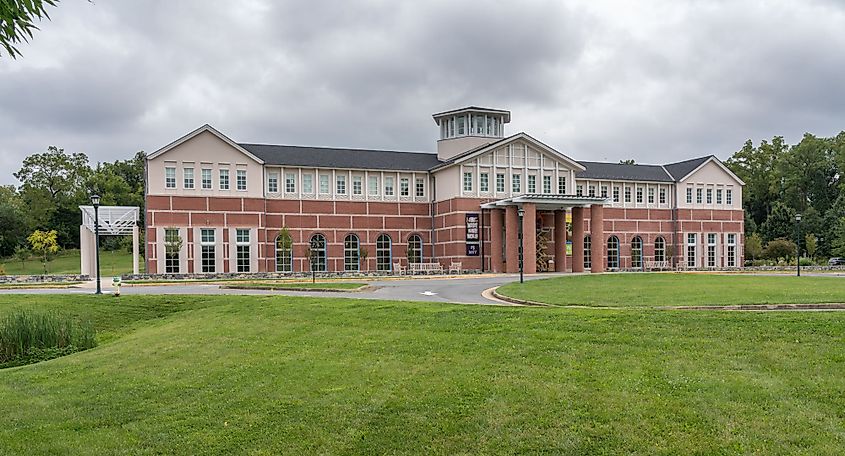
[
  {"x": 280, "y": 375},
  {"x": 672, "y": 289},
  {"x": 112, "y": 263}
]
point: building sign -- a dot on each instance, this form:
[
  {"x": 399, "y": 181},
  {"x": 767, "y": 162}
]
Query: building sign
[{"x": 473, "y": 234}]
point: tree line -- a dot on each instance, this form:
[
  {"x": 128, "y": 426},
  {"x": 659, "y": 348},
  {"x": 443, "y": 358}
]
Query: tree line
[
  {"x": 53, "y": 184},
  {"x": 783, "y": 180}
]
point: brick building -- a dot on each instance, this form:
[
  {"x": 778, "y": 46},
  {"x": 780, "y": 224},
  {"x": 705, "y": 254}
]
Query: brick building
[{"x": 217, "y": 206}]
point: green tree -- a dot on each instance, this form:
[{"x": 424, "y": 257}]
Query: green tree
[
  {"x": 13, "y": 225},
  {"x": 753, "y": 247},
  {"x": 780, "y": 223},
  {"x": 44, "y": 244},
  {"x": 809, "y": 174},
  {"x": 22, "y": 253},
  {"x": 757, "y": 167},
  {"x": 811, "y": 245},
  {"x": 780, "y": 249},
  {"x": 17, "y": 22}
]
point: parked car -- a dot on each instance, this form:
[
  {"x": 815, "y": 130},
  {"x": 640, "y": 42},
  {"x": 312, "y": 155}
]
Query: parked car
[{"x": 836, "y": 261}]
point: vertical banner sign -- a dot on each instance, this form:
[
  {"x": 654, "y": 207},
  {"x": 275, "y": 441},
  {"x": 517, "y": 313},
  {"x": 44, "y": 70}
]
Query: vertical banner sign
[{"x": 473, "y": 235}]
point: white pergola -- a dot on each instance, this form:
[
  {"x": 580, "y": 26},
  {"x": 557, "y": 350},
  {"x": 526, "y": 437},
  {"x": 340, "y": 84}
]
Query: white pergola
[{"x": 114, "y": 221}]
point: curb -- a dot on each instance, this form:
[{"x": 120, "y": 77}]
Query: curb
[
  {"x": 522, "y": 302},
  {"x": 313, "y": 290},
  {"x": 763, "y": 307}
]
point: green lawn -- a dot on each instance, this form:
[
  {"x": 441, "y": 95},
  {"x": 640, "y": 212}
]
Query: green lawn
[
  {"x": 281, "y": 375},
  {"x": 112, "y": 263},
  {"x": 272, "y": 285},
  {"x": 652, "y": 289}
]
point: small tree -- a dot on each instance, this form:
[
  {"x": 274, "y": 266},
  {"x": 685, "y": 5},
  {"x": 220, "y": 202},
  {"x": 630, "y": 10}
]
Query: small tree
[
  {"x": 44, "y": 244},
  {"x": 811, "y": 244},
  {"x": 363, "y": 254},
  {"x": 22, "y": 253},
  {"x": 311, "y": 254},
  {"x": 753, "y": 247},
  {"x": 780, "y": 248}
]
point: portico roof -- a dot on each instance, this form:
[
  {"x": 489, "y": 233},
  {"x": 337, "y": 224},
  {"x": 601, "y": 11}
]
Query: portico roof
[{"x": 547, "y": 202}]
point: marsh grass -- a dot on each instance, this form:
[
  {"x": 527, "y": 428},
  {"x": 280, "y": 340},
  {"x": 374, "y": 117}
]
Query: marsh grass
[{"x": 27, "y": 337}]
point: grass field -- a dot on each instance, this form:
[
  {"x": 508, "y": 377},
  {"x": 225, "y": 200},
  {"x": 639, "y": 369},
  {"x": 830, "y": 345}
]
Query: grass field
[
  {"x": 281, "y": 375},
  {"x": 112, "y": 263},
  {"x": 651, "y": 289}
]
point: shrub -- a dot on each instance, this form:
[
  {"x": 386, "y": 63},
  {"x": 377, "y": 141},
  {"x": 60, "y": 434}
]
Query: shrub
[{"x": 27, "y": 337}]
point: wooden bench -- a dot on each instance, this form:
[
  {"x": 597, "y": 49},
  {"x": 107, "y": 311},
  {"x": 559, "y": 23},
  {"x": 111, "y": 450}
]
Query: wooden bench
[
  {"x": 399, "y": 269},
  {"x": 455, "y": 267},
  {"x": 425, "y": 268},
  {"x": 651, "y": 265}
]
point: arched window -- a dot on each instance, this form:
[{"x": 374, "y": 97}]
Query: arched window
[
  {"x": 383, "y": 254},
  {"x": 284, "y": 252},
  {"x": 318, "y": 253},
  {"x": 637, "y": 252},
  {"x": 351, "y": 253},
  {"x": 660, "y": 249},
  {"x": 613, "y": 252},
  {"x": 588, "y": 252},
  {"x": 415, "y": 249}
]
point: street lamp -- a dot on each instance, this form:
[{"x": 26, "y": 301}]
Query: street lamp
[
  {"x": 521, "y": 213},
  {"x": 798, "y": 243},
  {"x": 95, "y": 200}
]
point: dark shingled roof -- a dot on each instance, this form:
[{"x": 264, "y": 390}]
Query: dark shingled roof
[
  {"x": 618, "y": 171},
  {"x": 680, "y": 169},
  {"x": 327, "y": 157}
]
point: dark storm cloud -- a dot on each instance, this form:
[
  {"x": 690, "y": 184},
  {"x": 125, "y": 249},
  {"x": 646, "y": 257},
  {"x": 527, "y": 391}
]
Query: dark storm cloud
[{"x": 654, "y": 80}]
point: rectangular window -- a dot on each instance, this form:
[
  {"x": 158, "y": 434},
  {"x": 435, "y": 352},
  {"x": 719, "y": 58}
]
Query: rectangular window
[
  {"x": 273, "y": 182},
  {"x": 547, "y": 184},
  {"x": 500, "y": 183},
  {"x": 341, "y": 185},
  {"x": 188, "y": 174},
  {"x": 627, "y": 194},
  {"x": 169, "y": 177},
  {"x": 615, "y": 194},
  {"x": 290, "y": 183},
  {"x": 709, "y": 196},
  {"x": 711, "y": 250},
  {"x": 388, "y": 186},
  {"x": 205, "y": 175},
  {"x": 532, "y": 184},
  {"x": 729, "y": 197},
  {"x": 561, "y": 185},
  {"x": 650, "y": 195},
  {"x": 639, "y": 194},
  {"x": 484, "y": 182},
  {"x": 604, "y": 191},
  {"x": 372, "y": 185},
  {"x": 242, "y": 249},
  {"x": 224, "y": 179},
  {"x": 516, "y": 183},
  {"x": 324, "y": 183},
  {"x": 689, "y": 195},
  {"x": 240, "y": 176},
  {"x": 404, "y": 187},
  {"x": 731, "y": 260},
  {"x": 591, "y": 191},
  {"x": 308, "y": 183},
  {"x": 461, "y": 121},
  {"x": 699, "y": 198},
  {"x": 420, "y": 187},
  {"x": 207, "y": 246},
  {"x": 467, "y": 182},
  {"x": 172, "y": 245},
  {"x": 662, "y": 195},
  {"x": 691, "y": 240},
  {"x": 357, "y": 185},
  {"x": 579, "y": 190},
  {"x": 718, "y": 196}
]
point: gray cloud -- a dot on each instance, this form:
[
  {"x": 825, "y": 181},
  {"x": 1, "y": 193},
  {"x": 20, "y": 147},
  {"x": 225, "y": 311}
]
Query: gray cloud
[{"x": 653, "y": 80}]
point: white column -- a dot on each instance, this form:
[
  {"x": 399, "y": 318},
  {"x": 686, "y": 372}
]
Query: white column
[{"x": 135, "y": 239}]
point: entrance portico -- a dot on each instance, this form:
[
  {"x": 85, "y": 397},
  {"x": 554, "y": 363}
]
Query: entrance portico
[{"x": 504, "y": 216}]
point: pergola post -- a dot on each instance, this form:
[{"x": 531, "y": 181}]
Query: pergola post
[
  {"x": 529, "y": 238},
  {"x": 511, "y": 239},
  {"x": 597, "y": 238},
  {"x": 497, "y": 218},
  {"x": 135, "y": 245},
  {"x": 560, "y": 240}
]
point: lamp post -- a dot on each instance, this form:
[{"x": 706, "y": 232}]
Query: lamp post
[
  {"x": 798, "y": 242},
  {"x": 95, "y": 200},
  {"x": 521, "y": 213}
]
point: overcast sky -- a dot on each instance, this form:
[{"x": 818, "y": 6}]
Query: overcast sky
[{"x": 656, "y": 81}]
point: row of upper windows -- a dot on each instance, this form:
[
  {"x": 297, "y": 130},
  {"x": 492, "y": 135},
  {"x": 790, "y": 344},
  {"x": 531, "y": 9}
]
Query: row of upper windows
[
  {"x": 471, "y": 124},
  {"x": 373, "y": 186},
  {"x": 516, "y": 183},
  {"x": 705, "y": 196},
  {"x": 206, "y": 179},
  {"x": 628, "y": 195}
]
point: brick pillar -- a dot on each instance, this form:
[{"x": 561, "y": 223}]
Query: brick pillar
[
  {"x": 511, "y": 239},
  {"x": 529, "y": 238},
  {"x": 497, "y": 218},
  {"x": 597, "y": 238},
  {"x": 577, "y": 239},
  {"x": 560, "y": 241}
]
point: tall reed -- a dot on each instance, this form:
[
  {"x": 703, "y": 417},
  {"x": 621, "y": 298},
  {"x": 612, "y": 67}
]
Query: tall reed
[{"x": 26, "y": 334}]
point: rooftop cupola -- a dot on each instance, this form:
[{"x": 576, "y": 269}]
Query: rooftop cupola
[{"x": 467, "y": 128}]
